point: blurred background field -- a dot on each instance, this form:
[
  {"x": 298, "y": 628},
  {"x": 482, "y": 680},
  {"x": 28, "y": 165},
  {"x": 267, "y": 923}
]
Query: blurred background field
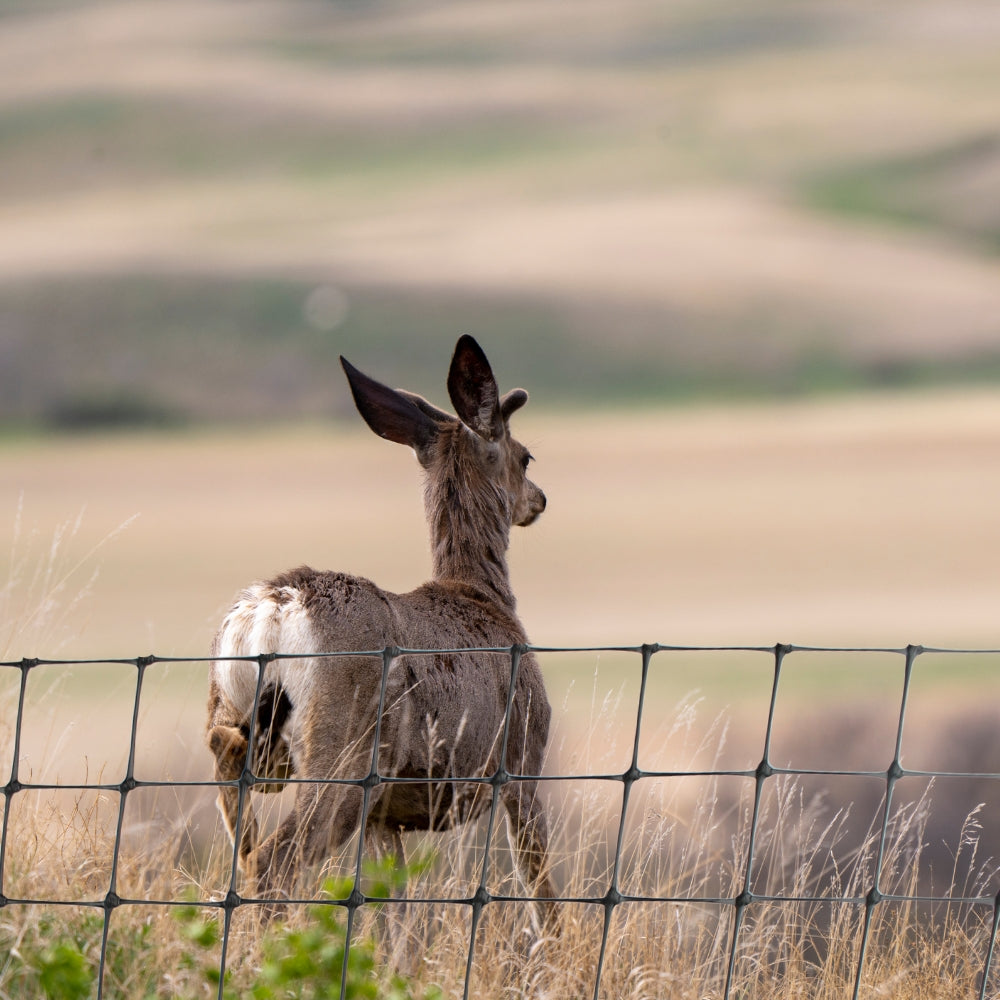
[
  {"x": 746, "y": 260},
  {"x": 785, "y": 217},
  {"x": 202, "y": 204}
]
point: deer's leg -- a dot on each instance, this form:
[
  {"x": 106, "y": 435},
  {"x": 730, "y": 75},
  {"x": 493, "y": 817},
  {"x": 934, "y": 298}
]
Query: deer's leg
[
  {"x": 326, "y": 812},
  {"x": 271, "y": 755},
  {"x": 531, "y": 844},
  {"x": 324, "y": 817},
  {"x": 229, "y": 745}
]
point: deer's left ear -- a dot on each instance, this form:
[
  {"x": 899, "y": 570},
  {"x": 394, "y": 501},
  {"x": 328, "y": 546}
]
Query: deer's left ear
[
  {"x": 512, "y": 401},
  {"x": 473, "y": 390}
]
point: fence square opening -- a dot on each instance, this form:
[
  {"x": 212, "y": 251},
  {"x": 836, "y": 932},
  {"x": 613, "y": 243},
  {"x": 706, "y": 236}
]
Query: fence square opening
[
  {"x": 951, "y": 713},
  {"x": 795, "y": 948},
  {"x": 837, "y": 711},
  {"x": 207, "y": 853},
  {"x": 929, "y": 945},
  {"x": 158, "y": 853},
  {"x": 595, "y": 698},
  {"x": 513, "y": 958},
  {"x": 665, "y": 949},
  {"x": 458, "y": 849},
  {"x": 584, "y": 817},
  {"x": 817, "y": 835},
  {"x": 170, "y": 735},
  {"x": 150, "y": 954},
  {"x": 60, "y": 845},
  {"x": 434, "y": 936},
  {"x": 705, "y": 710},
  {"x": 944, "y": 838},
  {"x": 77, "y": 725},
  {"x": 679, "y": 837}
]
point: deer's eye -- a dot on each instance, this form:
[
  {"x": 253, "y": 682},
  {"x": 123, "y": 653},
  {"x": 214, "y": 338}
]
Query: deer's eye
[{"x": 525, "y": 460}]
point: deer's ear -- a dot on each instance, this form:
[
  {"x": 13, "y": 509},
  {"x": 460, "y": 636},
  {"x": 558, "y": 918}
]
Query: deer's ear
[
  {"x": 388, "y": 412},
  {"x": 438, "y": 416},
  {"x": 473, "y": 390},
  {"x": 512, "y": 401}
]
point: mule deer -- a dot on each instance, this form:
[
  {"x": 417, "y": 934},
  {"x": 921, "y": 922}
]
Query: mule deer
[{"x": 443, "y": 715}]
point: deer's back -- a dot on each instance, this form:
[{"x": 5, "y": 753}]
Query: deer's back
[
  {"x": 307, "y": 611},
  {"x": 347, "y": 613}
]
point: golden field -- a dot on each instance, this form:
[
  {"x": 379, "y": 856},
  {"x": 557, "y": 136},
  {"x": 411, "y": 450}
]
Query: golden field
[
  {"x": 850, "y": 522},
  {"x": 856, "y": 521}
]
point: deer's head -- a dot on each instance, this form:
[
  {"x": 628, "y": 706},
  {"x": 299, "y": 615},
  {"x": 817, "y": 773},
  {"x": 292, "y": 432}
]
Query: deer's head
[{"x": 473, "y": 453}]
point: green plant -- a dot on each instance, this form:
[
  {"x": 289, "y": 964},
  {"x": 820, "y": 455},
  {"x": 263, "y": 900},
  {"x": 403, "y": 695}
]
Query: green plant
[
  {"x": 63, "y": 972},
  {"x": 56, "y": 958},
  {"x": 56, "y": 971},
  {"x": 314, "y": 962}
]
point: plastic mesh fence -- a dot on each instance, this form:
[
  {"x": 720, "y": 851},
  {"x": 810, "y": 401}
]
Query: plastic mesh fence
[{"x": 752, "y": 889}]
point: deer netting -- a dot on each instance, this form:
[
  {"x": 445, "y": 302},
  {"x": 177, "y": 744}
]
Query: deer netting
[{"x": 721, "y": 821}]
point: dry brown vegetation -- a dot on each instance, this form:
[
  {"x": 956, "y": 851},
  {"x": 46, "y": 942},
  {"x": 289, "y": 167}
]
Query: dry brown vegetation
[{"x": 686, "y": 841}]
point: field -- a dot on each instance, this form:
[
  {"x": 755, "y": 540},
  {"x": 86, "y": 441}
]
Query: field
[
  {"x": 746, "y": 262},
  {"x": 206, "y": 203},
  {"x": 847, "y": 522}
]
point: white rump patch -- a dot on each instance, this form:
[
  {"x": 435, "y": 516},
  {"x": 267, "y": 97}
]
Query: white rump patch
[{"x": 260, "y": 623}]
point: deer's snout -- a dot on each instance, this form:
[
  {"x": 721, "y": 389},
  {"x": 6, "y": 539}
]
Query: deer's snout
[{"x": 534, "y": 504}]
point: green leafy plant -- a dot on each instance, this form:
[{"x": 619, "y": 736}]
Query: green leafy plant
[
  {"x": 51, "y": 959},
  {"x": 63, "y": 972},
  {"x": 57, "y": 958},
  {"x": 315, "y": 962}
]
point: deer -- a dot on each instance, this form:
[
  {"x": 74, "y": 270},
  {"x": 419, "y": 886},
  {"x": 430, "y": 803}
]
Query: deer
[{"x": 438, "y": 718}]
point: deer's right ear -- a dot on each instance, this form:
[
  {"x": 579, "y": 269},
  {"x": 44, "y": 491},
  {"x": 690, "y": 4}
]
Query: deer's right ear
[{"x": 388, "y": 412}]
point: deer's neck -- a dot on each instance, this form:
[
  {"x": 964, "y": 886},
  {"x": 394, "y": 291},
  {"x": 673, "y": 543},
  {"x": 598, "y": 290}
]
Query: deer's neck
[{"x": 470, "y": 531}]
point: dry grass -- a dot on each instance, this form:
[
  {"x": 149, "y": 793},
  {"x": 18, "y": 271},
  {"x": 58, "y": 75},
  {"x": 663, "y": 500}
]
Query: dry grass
[
  {"x": 685, "y": 838},
  {"x": 686, "y": 843}
]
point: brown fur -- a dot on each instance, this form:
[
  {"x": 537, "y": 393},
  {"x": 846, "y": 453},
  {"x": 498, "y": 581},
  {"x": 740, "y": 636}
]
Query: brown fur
[{"x": 443, "y": 715}]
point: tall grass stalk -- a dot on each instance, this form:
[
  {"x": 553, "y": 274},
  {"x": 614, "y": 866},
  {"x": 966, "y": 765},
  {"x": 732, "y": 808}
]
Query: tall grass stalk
[
  {"x": 46, "y": 582},
  {"x": 685, "y": 851}
]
